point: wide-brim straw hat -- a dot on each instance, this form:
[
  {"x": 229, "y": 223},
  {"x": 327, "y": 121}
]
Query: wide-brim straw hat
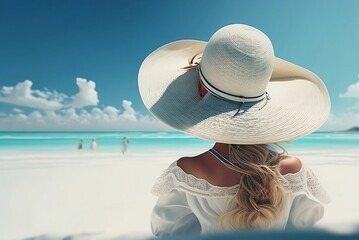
[{"x": 253, "y": 97}]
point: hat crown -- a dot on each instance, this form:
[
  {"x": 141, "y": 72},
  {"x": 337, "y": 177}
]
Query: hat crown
[{"x": 238, "y": 60}]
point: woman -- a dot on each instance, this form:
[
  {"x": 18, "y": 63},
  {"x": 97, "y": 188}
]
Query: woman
[
  {"x": 124, "y": 144},
  {"x": 235, "y": 92},
  {"x": 93, "y": 144}
]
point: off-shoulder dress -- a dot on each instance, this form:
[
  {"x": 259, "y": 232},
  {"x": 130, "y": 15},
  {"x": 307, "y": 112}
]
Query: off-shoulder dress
[{"x": 188, "y": 205}]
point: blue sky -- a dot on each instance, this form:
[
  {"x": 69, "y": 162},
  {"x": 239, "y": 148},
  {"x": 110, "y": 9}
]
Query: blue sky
[{"x": 73, "y": 65}]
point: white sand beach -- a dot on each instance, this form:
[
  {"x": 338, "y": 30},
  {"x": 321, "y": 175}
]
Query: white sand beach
[{"x": 110, "y": 194}]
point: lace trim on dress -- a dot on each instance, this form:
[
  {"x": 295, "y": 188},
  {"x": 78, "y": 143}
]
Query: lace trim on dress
[
  {"x": 175, "y": 178},
  {"x": 305, "y": 181}
]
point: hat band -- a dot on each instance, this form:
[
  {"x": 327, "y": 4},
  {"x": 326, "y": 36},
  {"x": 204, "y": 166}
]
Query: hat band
[{"x": 221, "y": 94}]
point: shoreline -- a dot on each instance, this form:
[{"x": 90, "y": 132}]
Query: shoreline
[{"x": 13, "y": 158}]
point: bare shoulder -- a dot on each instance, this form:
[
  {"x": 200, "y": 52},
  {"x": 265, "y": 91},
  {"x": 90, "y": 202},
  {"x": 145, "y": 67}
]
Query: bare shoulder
[
  {"x": 187, "y": 164},
  {"x": 192, "y": 165},
  {"x": 290, "y": 164}
]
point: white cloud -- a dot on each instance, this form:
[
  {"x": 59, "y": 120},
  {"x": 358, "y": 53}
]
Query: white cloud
[
  {"x": 60, "y": 97},
  {"x": 352, "y": 91},
  {"x": 108, "y": 118},
  {"x": 111, "y": 111},
  {"x": 41, "y": 94},
  {"x": 70, "y": 114},
  {"x": 23, "y": 95},
  {"x": 87, "y": 95},
  {"x": 17, "y": 110},
  {"x": 35, "y": 115},
  {"x": 21, "y": 117},
  {"x": 129, "y": 112},
  {"x": 341, "y": 122},
  {"x": 96, "y": 113},
  {"x": 55, "y": 111}
]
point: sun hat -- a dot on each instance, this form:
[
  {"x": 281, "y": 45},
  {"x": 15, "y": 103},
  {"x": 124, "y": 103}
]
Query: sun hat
[{"x": 253, "y": 97}]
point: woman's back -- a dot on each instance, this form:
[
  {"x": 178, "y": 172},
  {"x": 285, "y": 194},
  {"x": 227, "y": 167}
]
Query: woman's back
[
  {"x": 207, "y": 167},
  {"x": 226, "y": 90},
  {"x": 191, "y": 199}
]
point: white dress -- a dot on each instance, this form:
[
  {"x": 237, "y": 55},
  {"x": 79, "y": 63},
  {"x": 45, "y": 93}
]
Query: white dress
[{"x": 188, "y": 205}]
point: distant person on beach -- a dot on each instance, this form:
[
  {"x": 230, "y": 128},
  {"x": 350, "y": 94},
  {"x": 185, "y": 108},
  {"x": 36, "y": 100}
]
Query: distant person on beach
[
  {"x": 235, "y": 92},
  {"x": 93, "y": 145},
  {"x": 124, "y": 144},
  {"x": 80, "y": 146}
]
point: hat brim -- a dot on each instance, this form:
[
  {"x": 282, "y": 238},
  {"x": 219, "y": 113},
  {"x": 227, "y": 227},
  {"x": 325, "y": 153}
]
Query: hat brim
[{"x": 299, "y": 102}]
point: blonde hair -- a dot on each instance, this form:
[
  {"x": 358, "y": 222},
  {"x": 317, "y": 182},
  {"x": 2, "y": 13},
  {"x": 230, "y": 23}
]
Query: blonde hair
[{"x": 260, "y": 197}]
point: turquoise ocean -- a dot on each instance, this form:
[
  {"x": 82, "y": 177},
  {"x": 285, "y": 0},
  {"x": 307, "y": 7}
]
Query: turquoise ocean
[{"x": 67, "y": 142}]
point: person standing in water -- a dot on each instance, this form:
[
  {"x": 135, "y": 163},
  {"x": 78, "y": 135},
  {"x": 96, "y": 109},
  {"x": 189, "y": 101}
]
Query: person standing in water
[
  {"x": 80, "y": 146},
  {"x": 125, "y": 142},
  {"x": 93, "y": 144}
]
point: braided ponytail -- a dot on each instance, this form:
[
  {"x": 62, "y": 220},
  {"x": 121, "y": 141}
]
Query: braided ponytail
[{"x": 260, "y": 197}]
